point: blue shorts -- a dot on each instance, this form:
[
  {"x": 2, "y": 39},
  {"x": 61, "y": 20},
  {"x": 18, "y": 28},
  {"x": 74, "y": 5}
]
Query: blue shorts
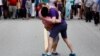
[{"x": 59, "y": 28}]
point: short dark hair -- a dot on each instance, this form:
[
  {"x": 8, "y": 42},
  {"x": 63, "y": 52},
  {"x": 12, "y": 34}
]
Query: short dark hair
[
  {"x": 32, "y": 1},
  {"x": 55, "y": 3},
  {"x": 44, "y": 11}
]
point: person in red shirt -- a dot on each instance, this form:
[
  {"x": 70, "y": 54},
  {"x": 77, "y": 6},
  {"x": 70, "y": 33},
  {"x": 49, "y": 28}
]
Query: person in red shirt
[
  {"x": 12, "y": 8},
  {"x": 12, "y": 2}
]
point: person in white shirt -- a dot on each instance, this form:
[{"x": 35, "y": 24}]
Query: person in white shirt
[
  {"x": 33, "y": 12},
  {"x": 1, "y": 3}
]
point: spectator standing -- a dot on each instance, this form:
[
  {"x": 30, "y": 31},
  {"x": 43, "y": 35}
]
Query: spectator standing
[
  {"x": 23, "y": 9},
  {"x": 33, "y": 12},
  {"x": 18, "y": 9},
  {"x": 1, "y": 8},
  {"x": 88, "y": 12},
  {"x": 5, "y": 9},
  {"x": 37, "y": 6},
  {"x": 69, "y": 4},
  {"x": 28, "y": 8},
  {"x": 78, "y": 4},
  {"x": 59, "y": 6},
  {"x": 73, "y": 9},
  {"x": 82, "y": 10},
  {"x": 63, "y": 8},
  {"x": 95, "y": 12},
  {"x": 12, "y": 8}
]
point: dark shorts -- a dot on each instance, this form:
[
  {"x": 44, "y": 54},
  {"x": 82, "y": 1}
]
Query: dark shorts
[
  {"x": 78, "y": 6},
  {"x": 73, "y": 7},
  {"x": 59, "y": 28},
  {"x": 56, "y": 39}
]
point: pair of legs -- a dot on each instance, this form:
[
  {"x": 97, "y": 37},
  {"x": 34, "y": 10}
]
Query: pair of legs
[
  {"x": 28, "y": 12},
  {"x": 12, "y": 10},
  {"x": 73, "y": 11},
  {"x": 96, "y": 17},
  {"x": 18, "y": 13},
  {"x": 0, "y": 10},
  {"x": 88, "y": 14},
  {"x": 54, "y": 46},
  {"x": 60, "y": 28},
  {"x": 23, "y": 12},
  {"x": 78, "y": 9},
  {"x": 51, "y": 44}
]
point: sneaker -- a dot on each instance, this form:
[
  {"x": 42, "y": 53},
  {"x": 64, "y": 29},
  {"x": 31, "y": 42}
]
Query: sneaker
[
  {"x": 72, "y": 54},
  {"x": 55, "y": 53},
  {"x": 44, "y": 54},
  {"x": 49, "y": 55}
]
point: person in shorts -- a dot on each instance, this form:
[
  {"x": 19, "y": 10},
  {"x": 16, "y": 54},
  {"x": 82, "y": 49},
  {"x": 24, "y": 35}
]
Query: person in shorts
[
  {"x": 78, "y": 4},
  {"x": 48, "y": 25},
  {"x": 59, "y": 26}
]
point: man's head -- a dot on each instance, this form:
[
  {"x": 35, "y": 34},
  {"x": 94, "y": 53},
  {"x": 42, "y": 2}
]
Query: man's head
[{"x": 44, "y": 11}]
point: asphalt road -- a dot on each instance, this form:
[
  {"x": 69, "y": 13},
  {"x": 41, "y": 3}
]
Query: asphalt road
[{"x": 26, "y": 38}]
